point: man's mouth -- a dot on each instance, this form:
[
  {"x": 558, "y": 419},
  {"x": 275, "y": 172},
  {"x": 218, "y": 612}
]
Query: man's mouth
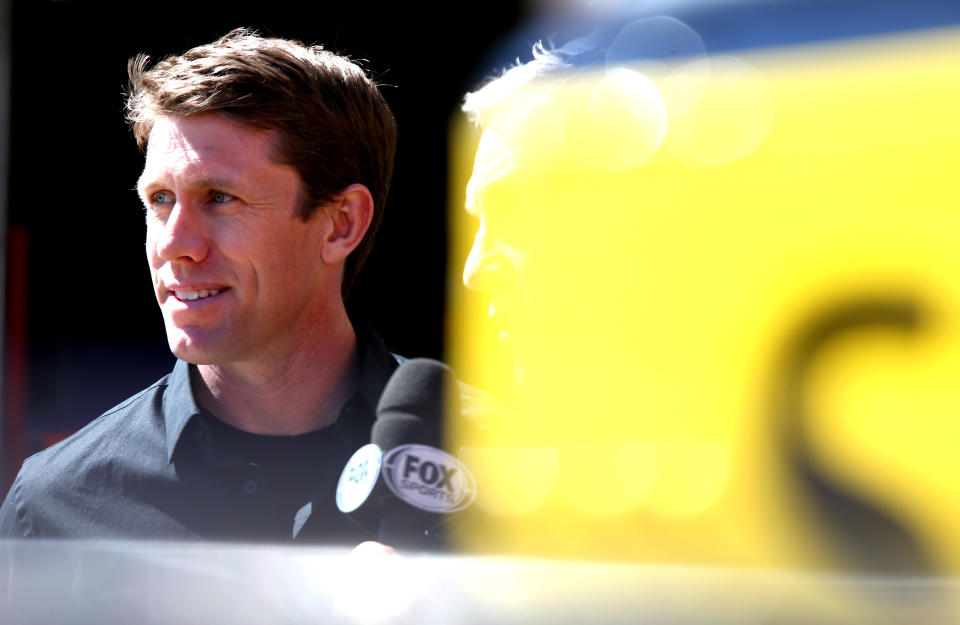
[{"x": 186, "y": 296}]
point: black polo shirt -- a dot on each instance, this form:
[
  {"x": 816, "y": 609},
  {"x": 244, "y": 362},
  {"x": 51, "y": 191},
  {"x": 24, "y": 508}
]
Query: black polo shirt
[{"x": 158, "y": 466}]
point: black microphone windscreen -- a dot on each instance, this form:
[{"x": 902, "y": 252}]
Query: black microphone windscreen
[{"x": 413, "y": 404}]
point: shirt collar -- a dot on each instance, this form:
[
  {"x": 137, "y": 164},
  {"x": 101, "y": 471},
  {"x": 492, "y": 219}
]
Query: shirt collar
[
  {"x": 179, "y": 405},
  {"x": 376, "y": 364}
]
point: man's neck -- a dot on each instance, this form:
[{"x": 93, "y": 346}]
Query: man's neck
[{"x": 300, "y": 392}]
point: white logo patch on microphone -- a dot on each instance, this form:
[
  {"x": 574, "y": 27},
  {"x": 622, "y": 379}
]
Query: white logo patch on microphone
[
  {"x": 358, "y": 478},
  {"x": 428, "y": 478}
]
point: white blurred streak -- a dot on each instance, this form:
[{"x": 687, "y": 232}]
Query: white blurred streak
[
  {"x": 144, "y": 583},
  {"x": 377, "y": 585}
]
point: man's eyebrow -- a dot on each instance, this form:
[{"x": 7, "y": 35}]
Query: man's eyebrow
[
  {"x": 214, "y": 183},
  {"x": 144, "y": 186}
]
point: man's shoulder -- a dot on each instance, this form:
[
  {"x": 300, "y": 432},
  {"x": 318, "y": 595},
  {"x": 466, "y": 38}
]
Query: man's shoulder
[
  {"x": 131, "y": 429},
  {"x": 112, "y": 429},
  {"x": 62, "y": 485}
]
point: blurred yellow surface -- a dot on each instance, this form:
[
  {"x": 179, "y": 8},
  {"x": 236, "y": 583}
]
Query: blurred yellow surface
[{"x": 705, "y": 281}]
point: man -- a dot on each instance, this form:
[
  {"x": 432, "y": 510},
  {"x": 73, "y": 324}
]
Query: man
[
  {"x": 554, "y": 188},
  {"x": 562, "y": 250},
  {"x": 267, "y": 167}
]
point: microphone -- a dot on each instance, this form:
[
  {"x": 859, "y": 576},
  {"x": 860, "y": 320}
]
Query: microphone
[{"x": 402, "y": 483}]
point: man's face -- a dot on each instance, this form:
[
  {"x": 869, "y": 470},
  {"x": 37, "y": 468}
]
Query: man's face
[
  {"x": 237, "y": 274},
  {"x": 499, "y": 259},
  {"x": 548, "y": 235}
]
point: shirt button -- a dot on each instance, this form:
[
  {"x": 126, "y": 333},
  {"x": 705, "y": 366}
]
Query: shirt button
[{"x": 250, "y": 487}]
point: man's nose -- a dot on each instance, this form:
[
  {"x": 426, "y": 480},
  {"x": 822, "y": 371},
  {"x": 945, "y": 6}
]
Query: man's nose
[
  {"x": 487, "y": 265},
  {"x": 183, "y": 236}
]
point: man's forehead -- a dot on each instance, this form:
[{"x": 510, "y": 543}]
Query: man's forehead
[
  {"x": 200, "y": 146},
  {"x": 204, "y": 135},
  {"x": 510, "y": 164},
  {"x": 495, "y": 160}
]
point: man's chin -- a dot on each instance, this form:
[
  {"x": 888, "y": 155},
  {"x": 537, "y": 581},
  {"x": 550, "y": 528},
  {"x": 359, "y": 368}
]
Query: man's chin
[{"x": 191, "y": 350}]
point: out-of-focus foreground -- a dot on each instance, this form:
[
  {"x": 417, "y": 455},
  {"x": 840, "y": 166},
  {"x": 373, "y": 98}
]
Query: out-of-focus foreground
[{"x": 723, "y": 288}]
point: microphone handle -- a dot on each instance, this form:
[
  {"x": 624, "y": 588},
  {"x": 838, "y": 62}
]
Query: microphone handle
[{"x": 404, "y": 527}]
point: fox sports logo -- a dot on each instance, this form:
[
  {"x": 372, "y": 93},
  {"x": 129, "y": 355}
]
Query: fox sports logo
[{"x": 429, "y": 478}]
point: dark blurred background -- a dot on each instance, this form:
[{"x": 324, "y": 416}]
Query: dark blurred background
[{"x": 83, "y": 328}]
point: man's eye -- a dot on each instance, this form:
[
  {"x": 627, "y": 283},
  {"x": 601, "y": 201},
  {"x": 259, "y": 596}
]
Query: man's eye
[
  {"x": 161, "y": 197},
  {"x": 219, "y": 197}
]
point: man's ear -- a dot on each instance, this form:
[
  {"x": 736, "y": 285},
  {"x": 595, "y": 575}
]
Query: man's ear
[{"x": 350, "y": 215}]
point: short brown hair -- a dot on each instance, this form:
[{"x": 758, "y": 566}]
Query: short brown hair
[{"x": 333, "y": 125}]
